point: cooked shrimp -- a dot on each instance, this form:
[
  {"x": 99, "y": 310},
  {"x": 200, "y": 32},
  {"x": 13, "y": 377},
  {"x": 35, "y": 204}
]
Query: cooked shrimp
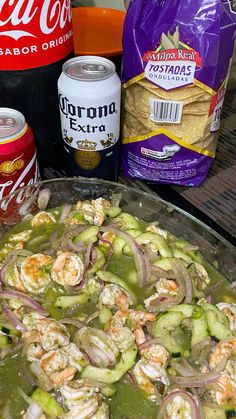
[
  {"x": 31, "y": 319},
  {"x": 224, "y": 390},
  {"x": 86, "y": 409},
  {"x": 152, "y": 368},
  {"x": 155, "y": 229},
  {"x": 146, "y": 373},
  {"x": 98, "y": 345},
  {"x": 75, "y": 391},
  {"x": 83, "y": 400},
  {"x": 68, "y": 269},
  {"x": 48, "y": 332},
  {"x": 56, "y": 365},
  {"x": 12, "y": 278},
  {"x": 163, "y": 286},
  {"x": 75, "y": 357},
  {"x": 156, "y": 353},
  {"x": 178, "y": 408},
  {"x": 114, "y": 296},
  {"x": 102, "y": 412},
  {"x": 43, "y": 217},
  {"x": 94, "y": 210},
  {"x": 122, "y": 335},
  {"x": 53, "y": 334},
  {"x": 34, "y": 352},
  {"x": 35, "y": 272},
  {"x": 222, "y": 351},
  {"x": 229, "y": 311}
]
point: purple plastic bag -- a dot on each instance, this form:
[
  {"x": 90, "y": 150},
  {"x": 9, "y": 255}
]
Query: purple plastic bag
[{"x": 177, "y": 55}]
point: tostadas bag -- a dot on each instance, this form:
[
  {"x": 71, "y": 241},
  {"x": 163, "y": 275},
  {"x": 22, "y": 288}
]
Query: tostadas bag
[{"x": 177, "y": 55}]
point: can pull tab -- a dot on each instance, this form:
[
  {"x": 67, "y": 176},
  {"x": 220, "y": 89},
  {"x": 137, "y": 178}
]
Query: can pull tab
[
  {"x": 6, "y": 123},
  {"x": 94, "y": 68}
]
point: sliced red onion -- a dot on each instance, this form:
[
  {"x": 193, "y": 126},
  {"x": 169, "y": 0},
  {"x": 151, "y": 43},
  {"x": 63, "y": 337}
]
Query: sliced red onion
[
  {"x": 183, "y": 274},
  {"x": 87, "y": 258},
  {"x": 74, "y": 322},
  {"x": 161, "y": 273},
  {"x": 2, "y": 281},
  {"x": 131, "y": 378},
  {"x": 209, "y": 290},
  {"x": 76, "y": 247},
  {"x": 198, "y": 347},
  {"x": 148, "y": 343},
  {"x": 13, "y": 319},
  {"x": 91, "y": 317},
  {"x": 186, "y": 396},
  {"x": 43, "y": 198},
  {"x": 200, "y": 380},
  {"x": 25, "y": 299},
  {"x": 141, "y": 263},
  {"x": 64, "y": 212},
  {"x": 24, "y": 396},
  {"x": 110, "y": 253},
  {"x": 183, "y": 368}
]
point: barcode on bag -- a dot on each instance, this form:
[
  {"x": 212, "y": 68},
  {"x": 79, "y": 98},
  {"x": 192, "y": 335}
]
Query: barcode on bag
[{"x": 166, "y": 111}]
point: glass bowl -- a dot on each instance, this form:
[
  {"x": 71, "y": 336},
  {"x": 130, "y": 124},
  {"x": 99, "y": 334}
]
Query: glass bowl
[{"x": 143, "y": 205}]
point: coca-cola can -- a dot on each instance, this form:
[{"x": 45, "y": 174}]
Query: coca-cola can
[
  {"x": 89, "y": 101},
  {"x": 18, "y": 162}
]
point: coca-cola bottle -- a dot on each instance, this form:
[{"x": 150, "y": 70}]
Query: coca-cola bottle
[{"x": 35, "y": 39}]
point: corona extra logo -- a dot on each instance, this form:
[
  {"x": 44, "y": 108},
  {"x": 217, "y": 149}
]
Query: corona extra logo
[{"x": 86, "y": 145}]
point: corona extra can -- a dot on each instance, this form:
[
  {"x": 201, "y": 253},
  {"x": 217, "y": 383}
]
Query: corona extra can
[
  {"x": 89, "y": 100},
  {"x": 18, "y": 163}
]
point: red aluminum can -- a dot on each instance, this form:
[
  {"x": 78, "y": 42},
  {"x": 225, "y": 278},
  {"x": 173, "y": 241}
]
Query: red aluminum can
[{"x": 18, "y": 162}]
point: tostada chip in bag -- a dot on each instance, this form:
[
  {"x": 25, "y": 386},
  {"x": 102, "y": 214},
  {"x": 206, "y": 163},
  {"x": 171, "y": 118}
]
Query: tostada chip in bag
[{"x": 177, "y": 56}]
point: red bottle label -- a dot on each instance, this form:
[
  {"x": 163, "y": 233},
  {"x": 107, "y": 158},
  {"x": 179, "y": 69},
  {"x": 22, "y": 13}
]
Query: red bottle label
[{"x": 34, "y": 33}]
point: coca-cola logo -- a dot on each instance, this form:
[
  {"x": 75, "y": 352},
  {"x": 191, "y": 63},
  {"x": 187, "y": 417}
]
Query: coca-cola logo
[
  {"x": 28, "y": 177},
  {"x": 27, "y": 14}
]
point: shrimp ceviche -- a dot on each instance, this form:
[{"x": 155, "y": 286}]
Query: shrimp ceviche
[{"x": 103, "y": 315}]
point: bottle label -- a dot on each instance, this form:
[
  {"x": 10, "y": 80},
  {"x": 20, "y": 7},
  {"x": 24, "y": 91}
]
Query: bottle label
[{"x": 34, "y": 33}]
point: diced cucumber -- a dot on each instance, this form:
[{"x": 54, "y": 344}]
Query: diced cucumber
[
  {"x": 118, "y": 245},
  {"x": 217, "y": 328},
  {"x": 157, "y": 241},
  {"x": 107, "y": 276},
  {"x": 104, "y": 315},
  {"x": 88, "y": 235},
  {"x": 219, "y": 314},
  {"x": 213, "y": 412},
  {"x": 162, "y": 328},
  {"x": 166, "y": 263},
  {"x": 112, "y": 212},
  {"x": 99, "y": 262},
  {"x": 180, "y": 254},
  {"x": 199, "y": 330},
  {"x": 108, "y": 391},
  {"x": 230, "y": 411},
  {"x": 134, "y": 233},
  {"x": 128, "y": 221},
  {"x": 109, "y": 376},
  {"x": 46, "y": 402},
  {"x": 5, "y": 341},
  {"x": 7, "y": 328},
  {"x": 186, "y": 309},
  {"x": 66, "y": 301}
]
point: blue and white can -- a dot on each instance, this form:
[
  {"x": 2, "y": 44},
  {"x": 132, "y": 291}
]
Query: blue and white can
[{"x": 89, "y": 100}]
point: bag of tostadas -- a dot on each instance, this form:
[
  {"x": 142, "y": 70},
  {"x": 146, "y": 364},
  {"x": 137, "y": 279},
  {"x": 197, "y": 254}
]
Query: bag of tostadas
[{"x": 176, "y": 61}]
